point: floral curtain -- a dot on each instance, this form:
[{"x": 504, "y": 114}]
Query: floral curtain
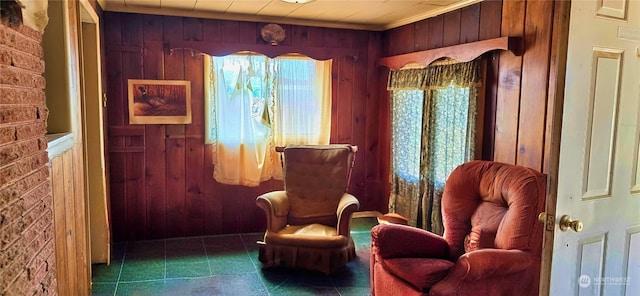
[
  {"x": 447, "y": 136},
  {"x": 406, "y": 132}
]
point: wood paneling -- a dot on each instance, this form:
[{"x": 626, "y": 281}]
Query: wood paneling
[
  {"x": 516, "y": 126},
  {"x": 535, "y": 76},
  {"x": 508, "y": 96},
  {"x": 178, "y": 195},
  {"x": 161, "y": 175},
  {"x": 72, "y": 269}
]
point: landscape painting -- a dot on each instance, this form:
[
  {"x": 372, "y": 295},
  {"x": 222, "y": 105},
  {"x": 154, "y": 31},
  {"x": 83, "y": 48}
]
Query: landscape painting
[{"x": 159, "y": 101}]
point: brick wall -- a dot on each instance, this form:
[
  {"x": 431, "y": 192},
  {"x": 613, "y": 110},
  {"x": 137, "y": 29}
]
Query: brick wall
[{"x": 27, "y": 252}]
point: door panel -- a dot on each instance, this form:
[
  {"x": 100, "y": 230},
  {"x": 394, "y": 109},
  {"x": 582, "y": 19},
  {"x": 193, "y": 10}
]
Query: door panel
[
  {"x": 599, "y": 169},
  {"x": 603, "y": 103}
]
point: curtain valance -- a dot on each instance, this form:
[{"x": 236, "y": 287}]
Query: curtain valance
[{"x": 436, "y": 76}]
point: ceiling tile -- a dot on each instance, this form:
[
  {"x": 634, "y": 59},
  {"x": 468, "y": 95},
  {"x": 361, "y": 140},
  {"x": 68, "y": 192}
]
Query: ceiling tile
[
  {"x": 353, "y": 14},
  {"x": 143, "y": 3},
  {"x": 179, "y": 4}
]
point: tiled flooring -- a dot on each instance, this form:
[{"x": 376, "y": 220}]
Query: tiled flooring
[{"x": 223, "y": 265}]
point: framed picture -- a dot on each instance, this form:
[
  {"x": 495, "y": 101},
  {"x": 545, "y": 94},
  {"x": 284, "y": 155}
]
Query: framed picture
[{"x": 159, "y": 101}]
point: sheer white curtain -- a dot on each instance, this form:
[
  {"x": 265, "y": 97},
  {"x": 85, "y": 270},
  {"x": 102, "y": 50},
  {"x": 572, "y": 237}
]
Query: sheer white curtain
[
  {"x": 254, "y": 103},
  {"x": 239, "y": 133},
  {"x": 303, "y": 101}
]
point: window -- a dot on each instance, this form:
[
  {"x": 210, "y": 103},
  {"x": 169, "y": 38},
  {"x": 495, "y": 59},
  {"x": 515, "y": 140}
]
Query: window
[
  {"x": 255, "y": 103},
  {"x": 433, "y": 131}
]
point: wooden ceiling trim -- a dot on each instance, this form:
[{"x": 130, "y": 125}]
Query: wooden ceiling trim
[{"x": 462, "y": 52}]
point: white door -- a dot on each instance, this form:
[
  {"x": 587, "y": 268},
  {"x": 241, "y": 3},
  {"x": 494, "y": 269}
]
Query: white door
[{"x": 599, "y": 172}]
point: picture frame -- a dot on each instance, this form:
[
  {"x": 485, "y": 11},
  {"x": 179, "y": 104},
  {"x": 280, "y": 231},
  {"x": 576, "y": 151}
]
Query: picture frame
[{"x": 159, "y": 101}]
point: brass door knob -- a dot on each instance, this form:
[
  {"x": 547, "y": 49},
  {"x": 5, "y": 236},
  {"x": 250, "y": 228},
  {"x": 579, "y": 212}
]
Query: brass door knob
[{"x": 566, "y": 223}]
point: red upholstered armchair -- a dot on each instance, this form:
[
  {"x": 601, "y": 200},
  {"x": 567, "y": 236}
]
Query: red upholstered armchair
[{"x": 491, "y": 244}]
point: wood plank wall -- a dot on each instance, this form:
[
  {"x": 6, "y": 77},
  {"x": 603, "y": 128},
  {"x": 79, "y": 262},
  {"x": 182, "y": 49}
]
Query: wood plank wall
[
  {"x": 516, "y": 125},
  {"x": 473, "y": 23},
  {"x": 161, "y": 175},
  {"x": 72, "y": 257}
]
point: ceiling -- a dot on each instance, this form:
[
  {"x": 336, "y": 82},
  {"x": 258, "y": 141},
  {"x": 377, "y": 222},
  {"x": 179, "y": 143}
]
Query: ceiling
[{"x": 376, "y": 15}]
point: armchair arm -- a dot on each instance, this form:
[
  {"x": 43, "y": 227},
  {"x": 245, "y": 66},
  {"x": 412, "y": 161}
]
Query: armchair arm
[
  {"x": 486, "y": 263},
  {"x": 401, "y": 241},
  {"x": 275, "y": 205},
  {"x": 347, "y": 206}
]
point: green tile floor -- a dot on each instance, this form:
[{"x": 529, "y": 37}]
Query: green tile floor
[{"x": 223, "y": 265}]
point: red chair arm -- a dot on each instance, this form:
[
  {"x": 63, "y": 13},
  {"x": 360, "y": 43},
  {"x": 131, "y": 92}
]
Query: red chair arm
[
  {"x": 487, "y": 263},
  {"x": 400, "y": 241}
]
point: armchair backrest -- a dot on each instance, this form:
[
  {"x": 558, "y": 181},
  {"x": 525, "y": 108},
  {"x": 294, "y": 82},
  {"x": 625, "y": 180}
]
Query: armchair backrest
[
  {"x": 493, "y": 205},
  {"x": 315, "y": 178}
]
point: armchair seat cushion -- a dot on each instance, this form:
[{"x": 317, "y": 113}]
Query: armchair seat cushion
[
  {"x": 421, "y": 273},
  {"x": 311, "y": 235}
]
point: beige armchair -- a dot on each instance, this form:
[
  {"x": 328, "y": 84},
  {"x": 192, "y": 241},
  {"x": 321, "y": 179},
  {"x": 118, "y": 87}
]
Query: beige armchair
[{"x": 308, "y": 223}]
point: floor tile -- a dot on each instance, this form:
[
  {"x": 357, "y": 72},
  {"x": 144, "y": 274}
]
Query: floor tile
[
  {"x": 243, "y": 285},
  {"x": 207, "y": 286},
  {"x": 103, "y": 289},
  {"x": 232, "y": 242},
  {"x": 101, "y": 273},
  {"x": 231, "y": 265},
  {"x": 143, "y": 271},
  {"x": 187, "y": 249},
  {"x": 145, "y": 250},
  {"x": 146, "y": 288},
  {"x": 363, "y": 224},
  {"x": 186, "y": 269},
  {"x": 224, "y": 265}
]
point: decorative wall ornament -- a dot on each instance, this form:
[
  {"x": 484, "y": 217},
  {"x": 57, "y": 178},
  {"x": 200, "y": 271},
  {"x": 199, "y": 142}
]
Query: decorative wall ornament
[{"x": 273, "y": 34}]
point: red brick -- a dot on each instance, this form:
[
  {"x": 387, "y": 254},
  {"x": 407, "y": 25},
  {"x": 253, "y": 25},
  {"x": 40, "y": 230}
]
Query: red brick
[
  {"x": 19, "y": 77},
  {"x": 14, "y": 191},
  {"x": 37, "y": 194},
  {"x": 18, "y": 169},
  {"x": 11, "y": 253},
  {"x": 8, "y": 214},
  {"x": 10, "y": 115},
  {"x": 27, "y": 131},
  {"x": 21, "y": 60},
  {"x": 27, "y": 252},
  {"x": 22, "y": 96},
  {"x": 7, "y": 134},
  {"x": 11, "y": 273},
  {"x": 12, "y": 153},
  {"x": 15, "y": 40},
  {"x": 5, "y": 56}
]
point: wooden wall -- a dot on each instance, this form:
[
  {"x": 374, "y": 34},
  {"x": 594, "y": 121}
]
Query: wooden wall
[
  {"x": 161, "y": 184},
  {"x": 473, "y": 23},
  {"x": 72, "y": 251},
  {"x": 70, "y": 206},
  {"x": 517, "y": 129},
  {"x": 161, "y": 175}
]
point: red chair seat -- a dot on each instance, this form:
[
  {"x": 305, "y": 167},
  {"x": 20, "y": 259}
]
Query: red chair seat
[{"x": 422, "y": 273}]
